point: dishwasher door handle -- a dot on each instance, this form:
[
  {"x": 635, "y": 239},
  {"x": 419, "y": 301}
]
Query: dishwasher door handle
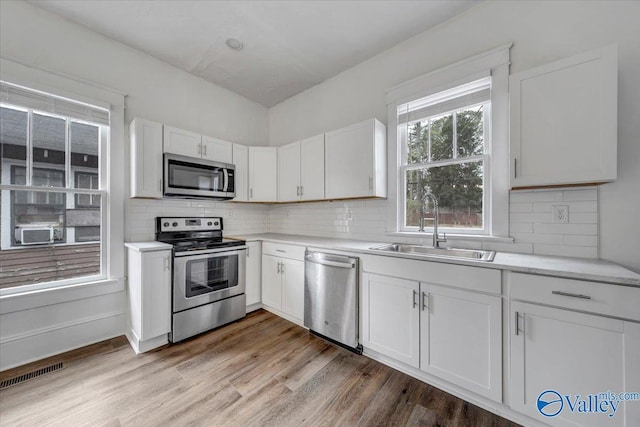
[{"x": 332, "y": 263}]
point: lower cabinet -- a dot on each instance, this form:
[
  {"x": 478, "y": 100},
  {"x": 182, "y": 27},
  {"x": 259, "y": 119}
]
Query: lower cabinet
[
  {"x": 149, "y": 294},
  {"x": 283, "y": 280},
  {"x": 560, "y": 359},
  {"x": 453, "y": 334},
  {"x": 253, "y": 274}
]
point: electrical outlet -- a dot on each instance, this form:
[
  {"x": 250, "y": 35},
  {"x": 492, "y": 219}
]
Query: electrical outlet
[
  {"x": 560, "y": 214},
  {"x": 349, "y": 215}
]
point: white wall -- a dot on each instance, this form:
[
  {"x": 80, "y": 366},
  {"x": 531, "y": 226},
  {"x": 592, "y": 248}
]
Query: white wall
[
  {"x": 541, "y": 32},
  {"x": 156, "y": 91}
]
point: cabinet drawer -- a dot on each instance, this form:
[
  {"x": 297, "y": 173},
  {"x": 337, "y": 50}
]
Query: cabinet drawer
[
  {"x": 283, "y": 250},
  {"x": 593, "y": 297}
]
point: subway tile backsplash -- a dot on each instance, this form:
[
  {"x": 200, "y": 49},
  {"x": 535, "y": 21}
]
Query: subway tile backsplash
[{"x": 530, "y": 221}]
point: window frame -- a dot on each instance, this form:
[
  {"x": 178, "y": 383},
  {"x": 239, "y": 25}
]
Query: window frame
[
  {"x": 112, "y": 183},
  {"x": 494, "y": 64},
  {"x": 485, "y": 158}
]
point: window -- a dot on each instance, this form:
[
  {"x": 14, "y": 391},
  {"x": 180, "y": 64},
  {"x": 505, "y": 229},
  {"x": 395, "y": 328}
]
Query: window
[
  {"x": 445, "y": 151},
  {"x": 448, "y": 135},
  {"x": 50, "y": 167}
]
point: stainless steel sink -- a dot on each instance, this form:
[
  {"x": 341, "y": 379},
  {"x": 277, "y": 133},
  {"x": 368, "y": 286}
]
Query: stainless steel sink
[{"x": 405, "y": 248}]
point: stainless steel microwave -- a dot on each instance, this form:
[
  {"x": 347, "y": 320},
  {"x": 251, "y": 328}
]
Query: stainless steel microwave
[{"x": 192, "y": 178}]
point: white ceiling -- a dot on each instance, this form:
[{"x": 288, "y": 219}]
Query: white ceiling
[{"x": 289, "y": 46}]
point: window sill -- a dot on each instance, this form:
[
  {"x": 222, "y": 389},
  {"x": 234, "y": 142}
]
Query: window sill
[
  {"x": 452, "y": 236},
  {"x": 12, "y": 300}
]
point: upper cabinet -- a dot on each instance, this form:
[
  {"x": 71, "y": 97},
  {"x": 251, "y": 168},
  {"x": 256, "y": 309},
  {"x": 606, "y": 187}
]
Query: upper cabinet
[
  {"x": 241, "y": 161},
  {"x": 217, "y": 150},
  {"x": 263, "y": 174},
  {"x": 301, "y": 170},
  {"x": 182, "y": 142},
  {"x": 146, "y": 158},
  {"x": 563, "y": 122},
  {"x": 186, "y": 143},
  {"x": 356, "y": 161}
]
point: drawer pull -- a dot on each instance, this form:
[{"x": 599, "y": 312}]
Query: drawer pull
[
  {"x": 567, "y": 294},
  {"x": 415, "y": 294},
  {"x": 280, "y": 250}
]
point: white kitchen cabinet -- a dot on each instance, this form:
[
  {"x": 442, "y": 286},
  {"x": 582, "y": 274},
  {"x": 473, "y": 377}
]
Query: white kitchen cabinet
[
  {"x": 356, "y": 161},
  {"x": 253, "y": 274},
  {"x": 289, "y": 172},
  {"x": 146, "y": 158},
  {"x": 461, "y": 339},
  {"x": 572, "y": 354},
  {"x": 241, "y": 162},
  {"x": 283, "y": 280},
  {"x": 301, "y": 170},
  {"x": 263, "y": 174},
  {"x": 391, "y": 317},
  {"x": 563, "y": 121},
  {"x": 149, "y": 294},
  {"x": 217, "y": 150},
  {"x": 182, "y": 142}
]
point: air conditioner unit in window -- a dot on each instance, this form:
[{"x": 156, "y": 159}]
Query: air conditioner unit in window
[{"x": 35, "y": 236}]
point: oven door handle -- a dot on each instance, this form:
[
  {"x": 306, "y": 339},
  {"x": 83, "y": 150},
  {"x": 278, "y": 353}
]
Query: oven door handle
[{"x": 222, "y": 251}]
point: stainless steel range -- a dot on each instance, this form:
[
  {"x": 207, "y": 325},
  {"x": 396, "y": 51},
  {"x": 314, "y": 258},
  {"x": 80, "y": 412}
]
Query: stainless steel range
[{"x": 208, "y": 275}]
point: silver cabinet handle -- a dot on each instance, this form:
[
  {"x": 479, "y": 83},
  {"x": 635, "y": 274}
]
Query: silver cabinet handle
[
  {"x": 515, "y": 167},
  {"x": 248, "y": 251},
  {"x": 251, "y": 193},
  {"x": 281, "y": 250},
  {"x": 517, "y": 323},
  {"x": 415, "y": 294},
  {"x": 278, "y": 270},
  {"x": 199, "y": 148},
  {"x": 297, "y": 190},
  {"x": 567, "y": 294},
  {"x": 166, "y": 263},
  {"x": 282, "y": 267},
  {"x": 204, "y": 149},
  {"x": 301, "y": 190},
  {"x": 370, "y": 183},
  {"x": 425, "y": 305}
]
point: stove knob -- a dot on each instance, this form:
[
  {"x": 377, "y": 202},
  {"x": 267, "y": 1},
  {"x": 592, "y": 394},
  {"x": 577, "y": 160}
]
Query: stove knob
[
  {"x": 166, "y": 224},
  {"x": 175, "y": 224},
  {"x": 209, "y": 223},
  {"x": 216, "y": 223}
]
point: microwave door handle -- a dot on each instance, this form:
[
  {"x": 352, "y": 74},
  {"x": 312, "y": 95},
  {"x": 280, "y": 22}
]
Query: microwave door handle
[{"x": 226, "y": 179}]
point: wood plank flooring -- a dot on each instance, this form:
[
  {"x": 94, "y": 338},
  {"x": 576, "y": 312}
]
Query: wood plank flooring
[{"x": 262, "y": 370}]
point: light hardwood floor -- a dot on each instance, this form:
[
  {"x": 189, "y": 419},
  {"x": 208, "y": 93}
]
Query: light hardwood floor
[{"x": 262, "y": 370}]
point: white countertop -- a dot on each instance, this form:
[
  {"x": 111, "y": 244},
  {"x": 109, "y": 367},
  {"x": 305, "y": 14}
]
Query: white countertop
[
  {"x": 574, "y": 268},
  {"x": 148, "y": 246}
]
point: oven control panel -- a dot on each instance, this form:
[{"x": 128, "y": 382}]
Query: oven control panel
[{"x": 188, "y": 224}]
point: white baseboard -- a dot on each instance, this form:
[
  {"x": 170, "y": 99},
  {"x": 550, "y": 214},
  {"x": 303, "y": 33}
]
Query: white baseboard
[
  {"x": 146, "y": 345},
  {"x": 279, "y": 313},
  {"x": 254, "y": 307},
  {"x": 31, "y": 347}
]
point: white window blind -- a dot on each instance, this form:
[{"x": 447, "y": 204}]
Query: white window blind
[
  {"x": 44, "y": 102},
  {"x": 472, "y": 93}
]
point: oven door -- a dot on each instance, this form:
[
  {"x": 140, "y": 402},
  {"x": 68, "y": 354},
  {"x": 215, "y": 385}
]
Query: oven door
[
  {"x": 190, "y": 177},
  {"x": 202, "y": 278}
]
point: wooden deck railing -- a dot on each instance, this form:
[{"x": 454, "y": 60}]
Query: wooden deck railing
[{"x": 32, "y": 265}]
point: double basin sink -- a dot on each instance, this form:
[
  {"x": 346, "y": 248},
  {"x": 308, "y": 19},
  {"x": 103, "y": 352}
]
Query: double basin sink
[{"x": 428, "y": 251}]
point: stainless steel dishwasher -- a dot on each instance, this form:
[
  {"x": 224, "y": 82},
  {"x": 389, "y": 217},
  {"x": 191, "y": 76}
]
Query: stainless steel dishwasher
[{"x": 331, "y": 298}]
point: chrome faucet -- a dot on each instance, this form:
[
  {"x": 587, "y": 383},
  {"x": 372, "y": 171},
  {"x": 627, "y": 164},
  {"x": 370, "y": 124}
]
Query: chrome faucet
[{"x": 436, "y": 238}]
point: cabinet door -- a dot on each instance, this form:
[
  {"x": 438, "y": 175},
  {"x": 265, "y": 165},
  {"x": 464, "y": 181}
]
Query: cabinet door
[
  {"x": 254, "y": 272},
  {"x": 391, "y": 317},
  {"x": 349, "y": 161},
  {"x": 564, "y": 121},
  {"x": 289, "y": 172},
  {"x": 241, "y": 161},
  {"x": 182, "y": 142},
  {"x": 263, "y": 174},
  {"x": 461, "y": 338},
  {"x": 293, "y": 288},
  {"x": 571, "y": 354},
  {"x": 217, "y": 150},
  {"x": 271, "y": 282},
  {"x": 156, "y": 294},
  {"x": 312, "y": 168},
  {"x": 146, "y": 158}
]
